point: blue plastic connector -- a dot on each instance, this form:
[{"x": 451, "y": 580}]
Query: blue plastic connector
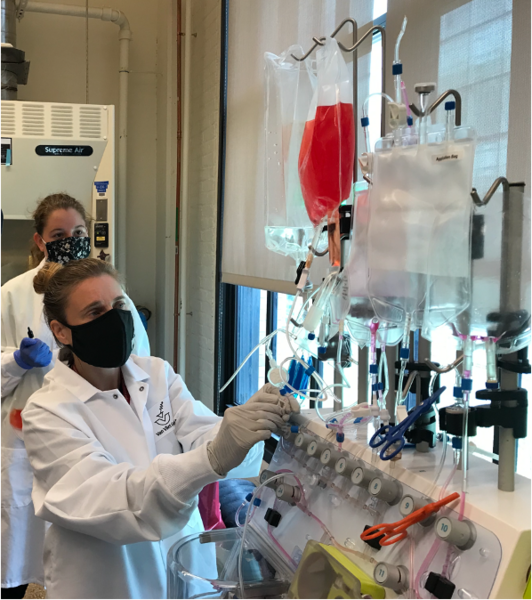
[
  {"x": 364, "y": 121},
  {"x": 467, "y": 384},
  {"x": 374, "y": 369},
  {"x": 457, "y": 392},
  {"x": 248, "y": 497},
  {"x": 375, "y": 387},
  {"x": 492, "y": 386},
  {"x": 285, "y": 390},
  {"x": 340, "y": 437},
  {"x": 450, "y": 105},
  {"x": 257, "y": 502},
  {"x": 397, "y": 69},
  {"x": 381, "y": 385},
  {"x": 310, "y": 371},
  {"x": 404, "y": 353},
  {"x": 294, "y": 429},
  {"x": 457, "y": 443},
  {"x": 311, "y": 336},
  {"x": 322, "y": 350},
  {"x": 409, "y": 121}
]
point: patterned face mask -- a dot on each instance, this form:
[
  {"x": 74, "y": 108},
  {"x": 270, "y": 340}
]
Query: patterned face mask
[{"x": 67, "y": 249}]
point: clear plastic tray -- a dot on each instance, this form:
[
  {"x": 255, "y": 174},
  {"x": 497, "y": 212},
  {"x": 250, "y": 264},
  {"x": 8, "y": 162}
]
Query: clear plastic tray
[{"x": 205, "y": 565}]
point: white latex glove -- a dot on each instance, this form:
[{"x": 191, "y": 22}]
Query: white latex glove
[{"x": 244, "y": 426}]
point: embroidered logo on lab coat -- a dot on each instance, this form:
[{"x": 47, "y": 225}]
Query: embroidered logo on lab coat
[{"x": 162, "y": 419}]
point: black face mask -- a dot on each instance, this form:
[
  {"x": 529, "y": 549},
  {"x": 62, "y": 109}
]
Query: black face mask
[
  {"x": 67, "y": 249},
  {"x": 105, "y": 342}
]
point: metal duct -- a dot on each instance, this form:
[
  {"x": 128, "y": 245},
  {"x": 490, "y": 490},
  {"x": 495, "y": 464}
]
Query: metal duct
[
  {"x": 9, "y": 23},
  {"x": 14, "y": 66}
]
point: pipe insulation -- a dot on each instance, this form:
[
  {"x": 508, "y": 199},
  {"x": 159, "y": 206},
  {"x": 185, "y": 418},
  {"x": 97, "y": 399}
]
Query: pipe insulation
[{"x": 124, "y": 36}]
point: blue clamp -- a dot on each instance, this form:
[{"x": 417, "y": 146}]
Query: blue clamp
[
  {"x": 450, "y": 105},
  {"x": 457, "y": 392},
  {"x": 456, "y": 443},
  {"x": 397, "y": 69},
  {"x": 340, "y": 437},
  {"x": 375, "y": 387},
  {"x": 257, "y": 502},
  {"x": 381, "y": 385},
  {"x": 467, "y": 384},
  {"x": 374, "y": 369},
  {"x": 409, "y": 121},
  {"x": 248, "y": 497},
  {"x": 388, "y": 436},
  {"x": 404, "y": 353},
  {"x": 364, "y": 121}
]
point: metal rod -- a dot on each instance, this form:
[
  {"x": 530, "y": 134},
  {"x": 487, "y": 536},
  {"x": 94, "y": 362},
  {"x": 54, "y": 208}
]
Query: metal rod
[
  {"x": 320, "y": 41},
  {"x": 510, "y": 300},
  {"x": 494, "y": 186},
  {"x": 458, "y": 101}
]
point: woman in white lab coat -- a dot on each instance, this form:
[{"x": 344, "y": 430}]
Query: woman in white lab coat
[
  {"x": 61, "y": 235},
  {"x": 119, "y": 447}
]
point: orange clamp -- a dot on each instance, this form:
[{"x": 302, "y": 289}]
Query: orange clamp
[{"x": 395, "y": 532}]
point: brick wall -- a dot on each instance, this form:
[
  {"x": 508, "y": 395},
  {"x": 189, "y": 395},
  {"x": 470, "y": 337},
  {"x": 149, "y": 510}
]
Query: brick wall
[{"x": 202, "y": 200}]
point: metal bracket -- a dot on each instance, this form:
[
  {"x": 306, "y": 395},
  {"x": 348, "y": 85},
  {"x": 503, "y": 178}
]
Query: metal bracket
[{"x": 494, "y": 186}]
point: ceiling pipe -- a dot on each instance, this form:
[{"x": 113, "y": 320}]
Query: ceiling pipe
[{"x": 124, "y": 36}]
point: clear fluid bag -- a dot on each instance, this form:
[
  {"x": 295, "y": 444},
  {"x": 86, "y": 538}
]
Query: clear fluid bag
[
  {"x": 500, "y": 303},
  {"x": 289, "y": 86},
  {"x": 418, "y": 248},
  {"x": 361, "y": 314}
]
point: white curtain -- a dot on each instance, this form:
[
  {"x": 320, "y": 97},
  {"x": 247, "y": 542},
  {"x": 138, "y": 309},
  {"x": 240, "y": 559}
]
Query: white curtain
[{"x": 255, "y": 28}]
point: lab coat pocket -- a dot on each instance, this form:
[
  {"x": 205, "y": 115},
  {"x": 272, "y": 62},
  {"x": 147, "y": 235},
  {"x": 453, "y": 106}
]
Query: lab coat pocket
[{"x": 17, "y": 478}]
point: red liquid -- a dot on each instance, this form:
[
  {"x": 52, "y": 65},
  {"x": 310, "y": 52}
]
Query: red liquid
[{"x": 326, "y": 159}]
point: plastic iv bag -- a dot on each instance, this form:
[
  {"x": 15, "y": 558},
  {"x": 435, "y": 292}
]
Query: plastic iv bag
[
  {"x": 419, "y": 232},
  {"x": 289, "y": 88},
  {"x": 500, "y": 303},
  {"x": 328, "y": 145},
  {"x": 361, "y": 313}
]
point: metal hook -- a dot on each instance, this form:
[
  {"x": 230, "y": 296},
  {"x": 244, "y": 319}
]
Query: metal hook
[
  {"x": 494, "y": 186},
  {"x": 438, "y": 101},
  {"x": 446, "y": 369},
  {"x": 320, "y": 41}
]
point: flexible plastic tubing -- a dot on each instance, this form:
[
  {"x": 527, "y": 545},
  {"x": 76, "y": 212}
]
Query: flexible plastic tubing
[
  {"x": 365, "y": 105},
  {"x": 437, "y": 542},
  {"x": 405, "y": 100},
  {"x": 405, "y": 344},
  {"x": 441, "y": 465},
  {"x": 246, "y": 523},
  {"x": 263, "y": 341},
  {"x": 383, "y": 375},
  {"x": 279, "y": 547},
  {"x": 340, "y": 342},
  {"x": 237, "y": 514},
  {"x": 398, "y": 42}
]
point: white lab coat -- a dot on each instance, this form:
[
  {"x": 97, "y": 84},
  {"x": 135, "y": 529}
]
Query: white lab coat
[
  {"x": 119, "y": 482},
  {"x": 22, "y": 532}
]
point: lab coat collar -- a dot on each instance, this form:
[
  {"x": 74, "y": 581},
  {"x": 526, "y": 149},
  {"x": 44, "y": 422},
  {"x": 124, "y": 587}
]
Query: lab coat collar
[{"x": 83, "y": 390}]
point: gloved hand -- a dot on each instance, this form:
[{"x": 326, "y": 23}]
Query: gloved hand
[
  {"x": 244, "y": 426},
  {"x": 33, "y": 353}
]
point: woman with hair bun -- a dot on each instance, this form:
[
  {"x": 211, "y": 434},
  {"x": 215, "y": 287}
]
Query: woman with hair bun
[
  {"x": 28, "y": 353},
  {"x": 120, "y": 449}
]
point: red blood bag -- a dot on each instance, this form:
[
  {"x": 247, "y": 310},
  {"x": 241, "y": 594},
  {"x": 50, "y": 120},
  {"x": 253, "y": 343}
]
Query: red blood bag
[{"x": 328, "y": 146}]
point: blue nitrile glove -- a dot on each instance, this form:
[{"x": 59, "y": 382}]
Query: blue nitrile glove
[{"x": 32, "y": 353}]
